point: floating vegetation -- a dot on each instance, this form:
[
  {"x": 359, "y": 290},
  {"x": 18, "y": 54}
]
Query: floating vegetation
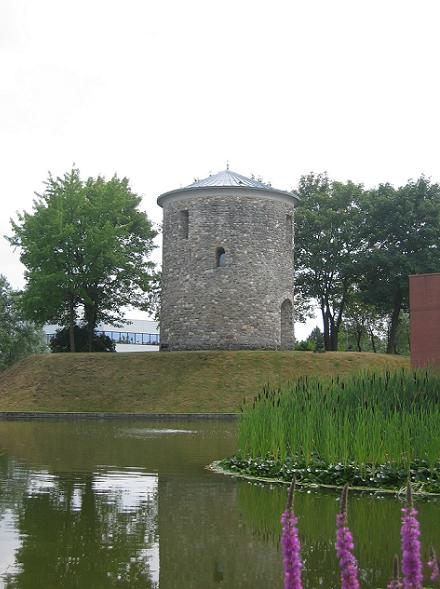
[
  {"x": 370, "y": 430},
  {"x": 425, "y": 479}
]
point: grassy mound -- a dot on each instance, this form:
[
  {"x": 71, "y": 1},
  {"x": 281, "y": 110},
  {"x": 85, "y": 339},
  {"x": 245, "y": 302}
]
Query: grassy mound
[{"x": 175, "y": 382}]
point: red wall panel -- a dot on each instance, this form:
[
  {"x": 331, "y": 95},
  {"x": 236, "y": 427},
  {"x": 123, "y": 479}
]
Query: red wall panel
[{"x": 424, "y": 297}]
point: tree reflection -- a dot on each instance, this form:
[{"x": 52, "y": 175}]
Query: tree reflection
[
  {"x": 78, "y": 532},
  {"x": 374, "y": 521}
]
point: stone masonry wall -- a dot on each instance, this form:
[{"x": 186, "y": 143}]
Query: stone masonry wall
[{"x": 237, "y": 306}]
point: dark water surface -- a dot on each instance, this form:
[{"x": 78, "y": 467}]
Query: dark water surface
[{"x": 130, "y": 505}]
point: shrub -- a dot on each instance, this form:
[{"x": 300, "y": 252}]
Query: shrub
[{"x": 100, "y": 343}]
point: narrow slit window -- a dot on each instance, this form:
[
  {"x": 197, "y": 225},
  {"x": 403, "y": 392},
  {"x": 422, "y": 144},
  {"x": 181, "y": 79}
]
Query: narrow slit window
[
  {"x": 220, "y": 257},
  {"x": 184, "y": 224},
  {"x": 289, "y": 230}
]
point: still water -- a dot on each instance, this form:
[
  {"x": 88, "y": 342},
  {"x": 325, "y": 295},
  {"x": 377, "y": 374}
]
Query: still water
[{"x": 131, "y": 505}]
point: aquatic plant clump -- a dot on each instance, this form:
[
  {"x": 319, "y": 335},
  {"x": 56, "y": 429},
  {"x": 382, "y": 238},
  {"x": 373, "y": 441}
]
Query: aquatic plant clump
[
  {"x": 354, "y": 423},
  {"x": 426, "y": 479}
]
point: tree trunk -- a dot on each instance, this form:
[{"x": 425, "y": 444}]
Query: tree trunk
[
  {"x": 397, "y": 305},
  {"x": 72, "y": 327},
  {"x": 373, "y": 342},
  {"x": 334, "y": 333},
  {"x": 90, "y": 340},
  {"x": 335, "y": 326},
  {"x": 90, "y": 317},
  {"x": 325, "y": 325},
  {"x": 358, "y": 340}
]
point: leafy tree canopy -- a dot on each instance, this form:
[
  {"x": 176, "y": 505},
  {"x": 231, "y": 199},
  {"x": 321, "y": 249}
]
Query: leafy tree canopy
[
  {"x": 85, "y": 246},
  {"x": 18, "y": 338},
  {"x": 327, "y": 247},
  {"x": 355, "y": 249},
  {"x": 402, "y": 236}
]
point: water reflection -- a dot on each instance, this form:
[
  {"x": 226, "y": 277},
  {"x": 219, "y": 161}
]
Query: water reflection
[
  {"x": 9, "y": 542},
  {"x": 148, "y": 432},
  {"x": 374, "y": 521},
  {"x": 102, "y": 505},
  {"x": 87, "y": 530}
]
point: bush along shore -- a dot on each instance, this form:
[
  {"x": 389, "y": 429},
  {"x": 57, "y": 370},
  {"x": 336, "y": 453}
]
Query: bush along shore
[{"x": 372, "y": 431}]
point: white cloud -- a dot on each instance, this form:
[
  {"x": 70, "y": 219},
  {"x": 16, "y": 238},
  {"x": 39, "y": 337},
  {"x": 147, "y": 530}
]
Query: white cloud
[{"x": 165, "y": 91}]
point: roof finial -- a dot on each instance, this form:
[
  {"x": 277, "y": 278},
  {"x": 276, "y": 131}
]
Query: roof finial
[{"x": 227, "y": 164}]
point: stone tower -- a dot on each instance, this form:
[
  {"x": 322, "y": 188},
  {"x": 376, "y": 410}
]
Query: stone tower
[{"x": 227, "y": 273}]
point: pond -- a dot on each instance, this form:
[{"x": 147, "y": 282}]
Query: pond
[{"x": 102, "y": 504}]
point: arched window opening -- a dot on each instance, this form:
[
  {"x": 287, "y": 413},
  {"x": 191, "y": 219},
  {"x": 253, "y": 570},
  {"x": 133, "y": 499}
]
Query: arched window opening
[
  {"x": 289, "y": 230},
  {"x": 220, "y": 257},
  {"x": 184, "y": 224},
  {"x": 286, "y": 325}
]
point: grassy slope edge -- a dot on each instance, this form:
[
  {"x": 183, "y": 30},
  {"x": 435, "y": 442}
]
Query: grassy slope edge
[{"x": 175, "y": 382}]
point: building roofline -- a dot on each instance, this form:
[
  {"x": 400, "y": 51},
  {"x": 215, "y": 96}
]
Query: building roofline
[{"x": 194, "y": 189}]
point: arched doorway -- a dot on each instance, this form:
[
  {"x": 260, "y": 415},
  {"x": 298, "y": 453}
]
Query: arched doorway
[{"x": 286, "y": 325}]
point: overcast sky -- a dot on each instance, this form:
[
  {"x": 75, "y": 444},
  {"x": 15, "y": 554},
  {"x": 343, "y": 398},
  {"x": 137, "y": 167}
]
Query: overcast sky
[{"x": 165, "y": 91}]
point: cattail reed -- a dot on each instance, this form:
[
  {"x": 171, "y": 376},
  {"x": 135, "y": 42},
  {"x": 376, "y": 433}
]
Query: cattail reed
[
  {"x": 395, "y": 583},
  {"x": 385, "y": 418}
]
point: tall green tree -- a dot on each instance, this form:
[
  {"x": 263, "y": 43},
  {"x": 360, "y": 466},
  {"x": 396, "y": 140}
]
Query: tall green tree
[
  {"x": 18, "y": 338},
  {"x": 401, "y": 229},
  {"x": 364, "y": 327},
  {"x": 85, "y": 246},
  {"x": 327, "y": 247},
  {"x": 154, "y": 296}
]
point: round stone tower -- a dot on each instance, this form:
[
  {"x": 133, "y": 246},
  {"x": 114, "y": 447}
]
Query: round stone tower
[{"x": 227, "y": 273}]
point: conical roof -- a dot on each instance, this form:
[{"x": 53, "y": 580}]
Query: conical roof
[{"x": 227, "y": 178}]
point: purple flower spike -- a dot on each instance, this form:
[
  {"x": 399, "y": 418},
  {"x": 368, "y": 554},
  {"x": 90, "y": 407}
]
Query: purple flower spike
[
  {"x": 345, "y": 546},
  {"x": 396, "y": 583},
  {"x": 433, "y": 565},
  {"x": 409, "y": 535},
  {"x": 291, "y": 545}
]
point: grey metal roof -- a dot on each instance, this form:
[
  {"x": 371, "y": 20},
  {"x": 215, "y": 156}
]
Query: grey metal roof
[{"x": 228, "y": 178}]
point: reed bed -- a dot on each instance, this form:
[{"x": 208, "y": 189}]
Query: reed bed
[{"x": 364, "y": 419}]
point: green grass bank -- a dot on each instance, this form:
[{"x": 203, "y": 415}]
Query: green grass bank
[{"x": 175, "y": 382}]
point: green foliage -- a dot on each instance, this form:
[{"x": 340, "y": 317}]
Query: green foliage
[
  {"x": 313, "y": 343},
  {"x": 100, "y": 343},
  {"x": 154, "y": 296},
  {"x": 364, "y": 329},
  {"x": 401, "y": 231},
  {"x": 425, "y": 478},
  {"x": 402, "y": 336},
  {"x": 327, "y": 244},
  {"x": 316, "y": 338},
  {"x": 303, "y": 308},
  {"x": 85, "y": 247},
  {"x": 370, "y": 419},
  {"x": 355, "y": 249},
  {"x": 18, "y": 338},
  {"x": 304, "y": 346}
]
